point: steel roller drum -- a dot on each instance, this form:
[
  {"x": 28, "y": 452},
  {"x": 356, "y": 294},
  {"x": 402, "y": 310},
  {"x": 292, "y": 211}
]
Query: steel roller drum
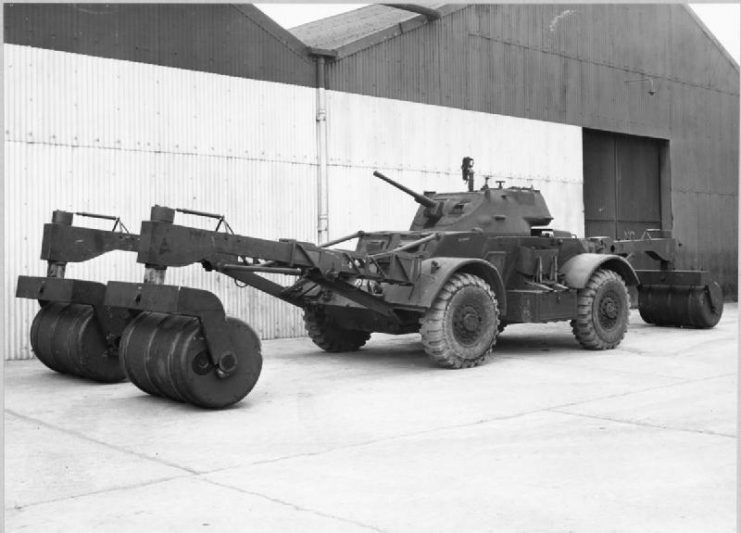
[
  {"x": 55, "y": 334},
  {"x": 684, "y": 306},
  {"x": 68, "y": 339},
  {"x": 161, "y": 354},
  {"x": 42, "y": 333},
  {"x": 90, "y": 351},
  {"x": 134, "y": 349},
  {"x": 167, "y": 355}
]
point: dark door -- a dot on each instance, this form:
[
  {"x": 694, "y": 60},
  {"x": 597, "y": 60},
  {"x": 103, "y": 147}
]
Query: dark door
[{"x": 622, "y": 191}]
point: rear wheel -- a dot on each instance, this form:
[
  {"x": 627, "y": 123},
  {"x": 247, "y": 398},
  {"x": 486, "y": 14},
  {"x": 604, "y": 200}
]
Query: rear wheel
[
  {"x": 602, "y": 311},
  {"x": 328, "y": 335},
  {"x": 460, "y": 329}
]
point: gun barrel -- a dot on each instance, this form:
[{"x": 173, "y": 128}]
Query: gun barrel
[{"x": 419, "y": 198}]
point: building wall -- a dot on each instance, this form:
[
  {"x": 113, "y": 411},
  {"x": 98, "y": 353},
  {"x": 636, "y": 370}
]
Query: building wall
[
  {"x": 422, "y": 146},
  {"x": 107, "y": 136},
  {"x": 114, "y": 128},
  {"x": 116, "y": 137},
  {"x": 570, "y": 64},
  {"x": 560, "y": 63}
]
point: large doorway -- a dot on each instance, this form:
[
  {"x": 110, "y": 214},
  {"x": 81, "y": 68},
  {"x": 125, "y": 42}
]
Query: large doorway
[{"x": 622, "y": 184}]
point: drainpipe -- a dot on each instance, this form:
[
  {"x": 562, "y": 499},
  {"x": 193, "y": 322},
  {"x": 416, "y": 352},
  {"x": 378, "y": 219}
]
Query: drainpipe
[{"x": 322, "y": 182}]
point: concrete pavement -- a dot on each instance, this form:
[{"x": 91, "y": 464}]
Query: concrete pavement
[{"x": 544, "y": 437}]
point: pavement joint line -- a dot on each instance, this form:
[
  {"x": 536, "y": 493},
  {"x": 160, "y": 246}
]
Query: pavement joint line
[
  {"x": 649, "y": 389},
  {"x": 100, "y": 442},
  {"x": 703, "y": 345},
  {"x": 293, "y": 505},
  {"x": 392, "y": 438},
  {"x": 96, "y": 492},
  {"x": 645, "y": 424},
  {"x": 553, "y": 361},
  {"x": 199, "y": 475},
  {"x": 371, "y": 442},
  {"x": 587, "y": 367}
]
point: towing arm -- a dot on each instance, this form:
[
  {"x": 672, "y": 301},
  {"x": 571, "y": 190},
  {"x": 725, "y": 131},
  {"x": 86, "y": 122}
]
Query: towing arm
[
  {"x": 322, "y": 271},
  {"x": 165, "y": 244}
]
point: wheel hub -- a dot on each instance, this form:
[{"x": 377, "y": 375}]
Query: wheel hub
[
  {"x": 202, "y": 364},
  {"x": 471, "y": 322},
  {"x": 609, "y": 311},
  {"x": 467, "y": 324}
]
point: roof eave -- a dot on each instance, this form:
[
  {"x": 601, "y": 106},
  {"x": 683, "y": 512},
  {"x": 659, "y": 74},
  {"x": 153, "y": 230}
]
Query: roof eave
[
  {"x": 394, "y": 31},
  {"x": 289, "y": 40}
]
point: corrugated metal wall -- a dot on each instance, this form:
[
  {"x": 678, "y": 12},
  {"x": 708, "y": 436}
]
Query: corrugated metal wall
[
  {"x": 107, "y": 136},
  {"x": 422, "y": 146},
  {"x": 87, "y": 133},
  {"x": 569, "y": 64}
]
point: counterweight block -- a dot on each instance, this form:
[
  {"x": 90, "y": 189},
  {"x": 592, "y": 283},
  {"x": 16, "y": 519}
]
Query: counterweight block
[
  {"x": 167, "y": 355},
  {"x": 694, "y": 306}
]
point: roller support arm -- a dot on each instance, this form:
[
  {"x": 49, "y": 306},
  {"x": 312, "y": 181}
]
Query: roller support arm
[{"x": 169, "y": 245}]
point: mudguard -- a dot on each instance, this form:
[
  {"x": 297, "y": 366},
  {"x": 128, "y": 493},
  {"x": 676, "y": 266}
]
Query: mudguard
[
  {"x": 435, "y": 272},
  {"x": 577, "y": 270}
]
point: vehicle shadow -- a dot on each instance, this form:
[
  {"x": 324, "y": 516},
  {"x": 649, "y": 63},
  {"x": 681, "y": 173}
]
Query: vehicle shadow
[{"x": 407, "y": 350}]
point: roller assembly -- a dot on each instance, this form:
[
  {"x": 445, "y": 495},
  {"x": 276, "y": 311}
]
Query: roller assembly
[
  {"x": 74, "y": 333},
  {"x": 679, "y": 298},
  {"x": 471, "y": 263}
]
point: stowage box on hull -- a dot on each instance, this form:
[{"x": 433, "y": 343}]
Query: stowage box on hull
[{"x": 538, "y": 306}]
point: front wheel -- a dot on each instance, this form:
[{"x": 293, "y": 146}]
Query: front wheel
[
  {"x": 602, "y": 311},
  {"x": 460, "y": 328}
]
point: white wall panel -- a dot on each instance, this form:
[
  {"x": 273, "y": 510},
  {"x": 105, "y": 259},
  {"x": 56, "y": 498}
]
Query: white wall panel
[
  {"x": 116, "y": 137},
  {"x": 422, "y": 146},
  {"x": 76, "y": 100},
  {"x": 100, "y": 135}
]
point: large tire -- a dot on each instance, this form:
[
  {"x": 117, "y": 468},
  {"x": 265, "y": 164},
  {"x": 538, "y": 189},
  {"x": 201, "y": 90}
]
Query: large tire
[
  {"x": 603, "y": 308},
  {"x": 460, "y": 329},
  {"x": 330, "y": 336}
]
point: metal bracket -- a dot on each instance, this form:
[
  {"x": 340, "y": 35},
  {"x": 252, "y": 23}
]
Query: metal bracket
[
  {"x": 175, "y": 300},
  {"x": 75, "y": 291},
  {"x": 220, "y": 218},
  {"x": 116, "y": 220}
]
